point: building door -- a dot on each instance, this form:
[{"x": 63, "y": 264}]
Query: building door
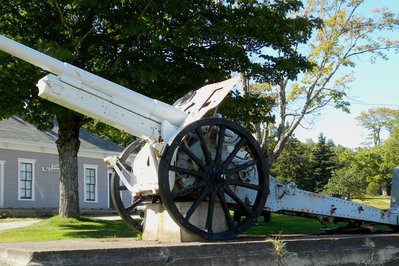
[{"x": 2, "y": 183}]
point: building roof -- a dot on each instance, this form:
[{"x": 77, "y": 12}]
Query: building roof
[{"x": 16, "y": 130}]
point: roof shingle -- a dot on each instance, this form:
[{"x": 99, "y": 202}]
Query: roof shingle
[{"x": 16, "y": 129}]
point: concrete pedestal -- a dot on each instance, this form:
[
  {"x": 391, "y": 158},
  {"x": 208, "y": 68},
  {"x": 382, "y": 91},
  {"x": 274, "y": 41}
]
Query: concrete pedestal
[{"x": 159, "y": 225}]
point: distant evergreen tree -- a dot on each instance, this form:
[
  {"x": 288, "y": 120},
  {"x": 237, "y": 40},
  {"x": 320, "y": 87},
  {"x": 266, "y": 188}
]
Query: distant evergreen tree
[{"x": 322, "y": 164}]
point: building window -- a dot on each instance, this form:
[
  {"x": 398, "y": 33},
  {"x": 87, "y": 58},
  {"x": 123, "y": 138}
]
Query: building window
[
  {"x": 90, "y": 183},
  {"x": 26, "y": 179}
]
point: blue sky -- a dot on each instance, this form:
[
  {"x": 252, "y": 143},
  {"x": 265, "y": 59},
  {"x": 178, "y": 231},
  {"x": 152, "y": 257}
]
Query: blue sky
[{"x": 375, "y": 85}]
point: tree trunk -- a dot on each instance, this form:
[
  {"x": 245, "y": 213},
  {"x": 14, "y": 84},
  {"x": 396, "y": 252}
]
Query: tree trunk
[
  {"x": 68, "y": 144},
  {"x": 384, "y": 190}
]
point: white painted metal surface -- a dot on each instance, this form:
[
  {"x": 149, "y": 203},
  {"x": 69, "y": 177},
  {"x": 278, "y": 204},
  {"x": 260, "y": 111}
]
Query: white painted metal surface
[
  {"x": 100, "y": 106},
  {"x": 289, "y": 198}
]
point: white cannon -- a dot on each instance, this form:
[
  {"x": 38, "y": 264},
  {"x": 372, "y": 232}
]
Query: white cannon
[{"x": 181, "y": 157}]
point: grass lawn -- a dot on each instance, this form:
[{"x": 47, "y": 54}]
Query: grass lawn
[
  {"x": 380, "y": 202},
  {"x": 284, "y": 224},
  {"x": 56, "y": 228}
]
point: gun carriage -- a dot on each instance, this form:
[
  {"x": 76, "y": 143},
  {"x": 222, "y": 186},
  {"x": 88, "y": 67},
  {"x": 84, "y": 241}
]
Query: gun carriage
[{"x": 182, "y": 157}]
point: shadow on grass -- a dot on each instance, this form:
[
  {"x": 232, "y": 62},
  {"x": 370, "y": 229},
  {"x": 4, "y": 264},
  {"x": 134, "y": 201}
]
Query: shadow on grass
[
  {"x": 284, "y": 224},
  {"x": 95, "y": 228}
]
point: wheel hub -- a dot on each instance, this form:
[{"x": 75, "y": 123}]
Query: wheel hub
[{"x": 216, "y": 176}]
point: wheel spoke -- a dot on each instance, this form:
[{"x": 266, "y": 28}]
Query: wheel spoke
[
  {"x": 187, "y": 189},
  {"x": 243, "y": 184},
  {"x": 196, "y": 203},
  {"x": 241, "y": 167},
  {"x": 236, "y": 149},
  {"x": 204, "y": 146},
  {"x": 130, "y": 208},
  {"x": 244, "y": 206},
  {"x": 121, "y": 188},
  {"x": 186, "y": 171},
  {"x": 218, "y": 156},
  {"x": 211, "y": 208},
  {"x": 127, "y": 167},
  {"x": 134, "y": 204},
  {"x": 225, "y": 209},
  {"x": 197, "y": 160}
]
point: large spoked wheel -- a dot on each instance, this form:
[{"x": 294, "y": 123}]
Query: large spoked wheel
[
  {"x": 128, "y": 212},
  {"x": 214, "y": 167}
]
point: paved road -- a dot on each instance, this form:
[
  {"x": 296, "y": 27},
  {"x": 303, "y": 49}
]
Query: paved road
[
  {"x": 107, "y": 218},
  {"x": 16, "y": 224}
]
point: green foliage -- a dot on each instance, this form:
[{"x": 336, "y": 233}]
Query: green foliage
[
  {"x": 379, "y": 119},
  {"x": 162, "y": 49},
  {"x": 109, "y": 133},
  {"x": 377, "y": 163},
  {"x": 367, "y": 170},
  {"x": 390, "y": 154},
  {"x": 357, "y": 170},
  {"x": 248, "y": 109},
  {"x": 293, "y": 165},
  {"x": 346, "y": 182},
  {"x": 323, "y": 167},
  {"x": 310, "y": 165},
  {"x": 322, "y": 164},
  {"x": 373, "y": 189}
]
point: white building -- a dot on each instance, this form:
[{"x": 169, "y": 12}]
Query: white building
[{"x": 29, "y": 169}]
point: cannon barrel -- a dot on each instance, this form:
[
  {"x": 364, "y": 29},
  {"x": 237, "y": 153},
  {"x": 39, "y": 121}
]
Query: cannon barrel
[
  {"x": 31, "y": 56},
  {"x": 141, "y": 106}
]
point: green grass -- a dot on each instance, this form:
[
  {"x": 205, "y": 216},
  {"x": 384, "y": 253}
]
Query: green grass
[
  {"x": 379, "y": 202},
  {"x": 57, "y": 228},
  {"x": 284, "y": 224}
]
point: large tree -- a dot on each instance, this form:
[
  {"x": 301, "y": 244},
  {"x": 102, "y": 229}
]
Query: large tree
[
  {"x": 161, "y": 48},
  {"x": 384, "y": 153},
  {"x": 390, "y": 159},
  {"x": 379, "y": 119},
  {"x": 346, "y": 35}
]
